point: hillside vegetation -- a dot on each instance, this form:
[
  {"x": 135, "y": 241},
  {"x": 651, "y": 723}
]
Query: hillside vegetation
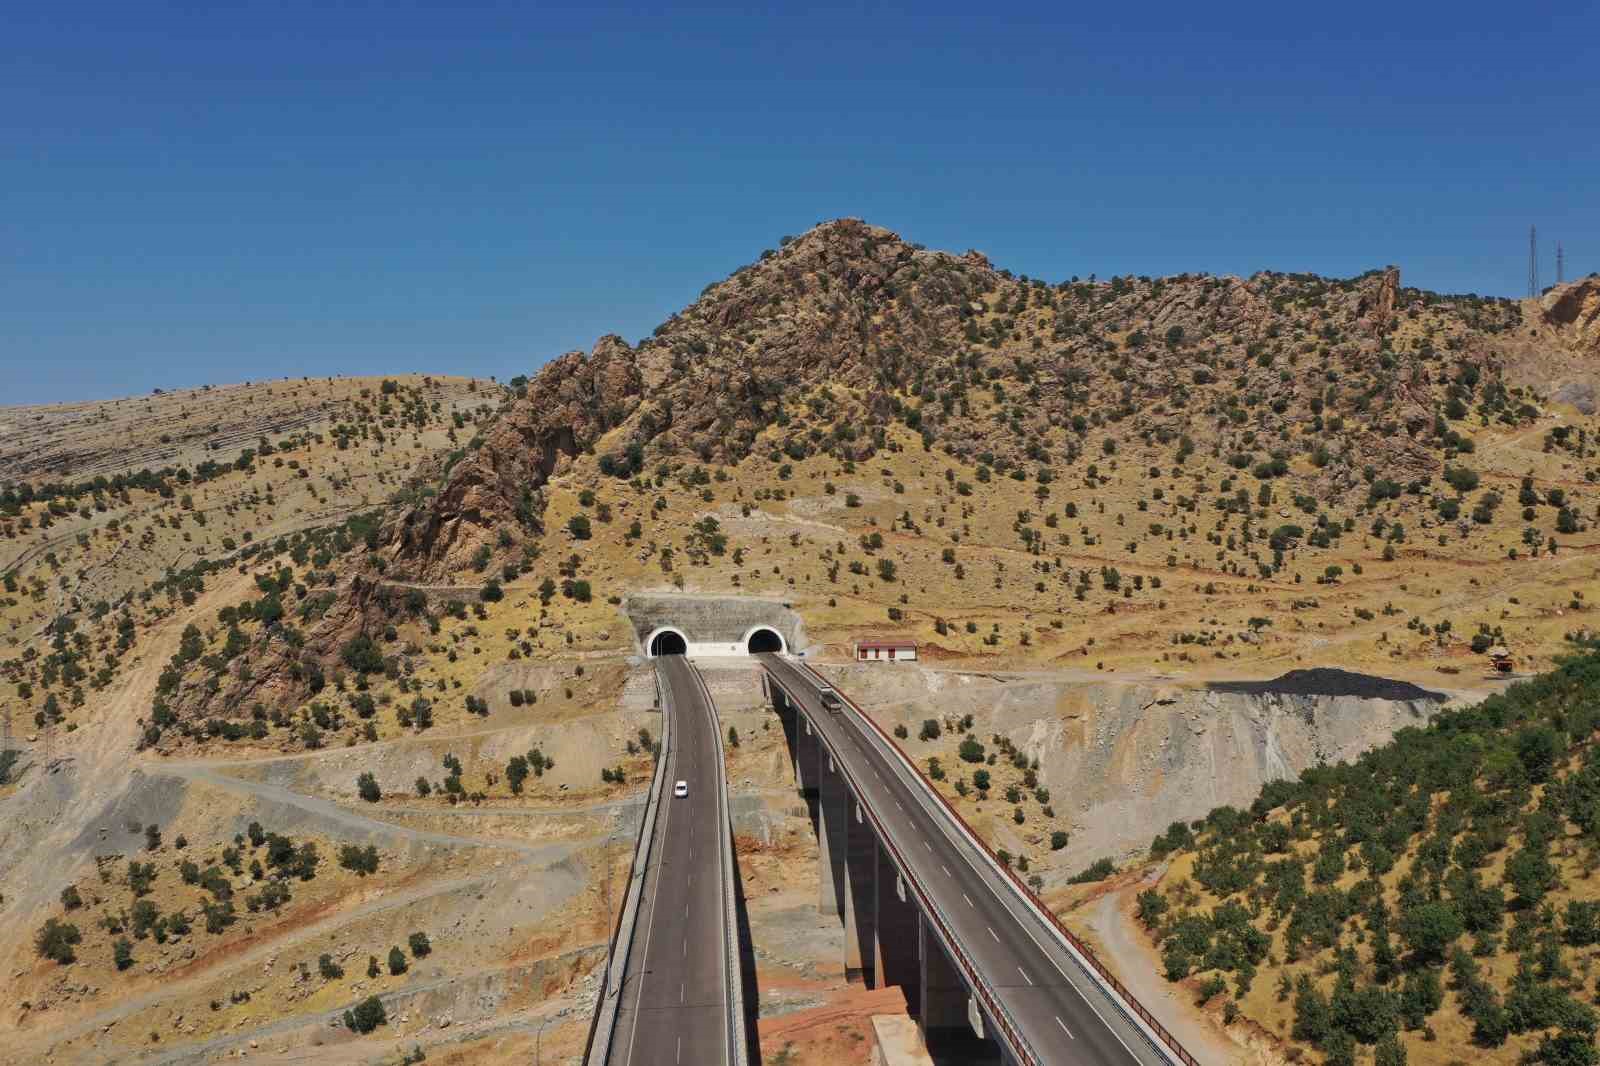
[
  {"x": 1434, "y": 901},
  {"x": 1185, "y": 475},
  {"x": 1158, "y": 469},
  {"x": 112, "y": 512}
]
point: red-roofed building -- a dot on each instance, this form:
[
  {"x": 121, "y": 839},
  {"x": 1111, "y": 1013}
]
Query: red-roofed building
[{"x": 886, "y": 649}]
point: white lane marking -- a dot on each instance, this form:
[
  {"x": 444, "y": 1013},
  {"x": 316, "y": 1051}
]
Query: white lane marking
[
  {"x": 681, "y": 992},
  {"x": 1064, "y": 1029},
  {"x": 991, "y": 933},
  {"x": 946, "y": 869},
  {"x": 968, "y": 899},
  {"x": 928, "y": 846},
  {"x": 1024, "y": 974},
  {"x": 680, "y": 1047}
]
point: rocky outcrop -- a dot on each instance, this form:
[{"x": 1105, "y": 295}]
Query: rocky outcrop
[
  {"x": 498, "y": 481},
  {"x": 1574, "y": 309},
  {"x": 1380, "y": 292}
]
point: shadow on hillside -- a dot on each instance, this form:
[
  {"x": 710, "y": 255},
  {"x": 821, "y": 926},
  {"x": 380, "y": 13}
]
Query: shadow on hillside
[{"x": 1328, "y": 681}]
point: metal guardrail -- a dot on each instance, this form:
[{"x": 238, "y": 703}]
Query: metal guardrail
[
  {"x": 1166, "y": 1043},
  {"x": 733, "y": 984},
  {"x": 605, "y": 1015},
  {"x": 994, "y": 1007}
]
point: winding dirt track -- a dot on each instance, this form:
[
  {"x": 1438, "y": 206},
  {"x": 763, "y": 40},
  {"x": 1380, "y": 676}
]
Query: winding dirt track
[{"x": 353, "y": 821}]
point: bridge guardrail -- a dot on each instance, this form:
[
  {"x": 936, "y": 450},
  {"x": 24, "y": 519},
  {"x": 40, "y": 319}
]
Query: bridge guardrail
[
  {"x": 604, "y": 1026},
  {"x": 996, "y": 1009},
  {"x": 733, "y": 985},
  {"x": 1165, "y": 1042}
]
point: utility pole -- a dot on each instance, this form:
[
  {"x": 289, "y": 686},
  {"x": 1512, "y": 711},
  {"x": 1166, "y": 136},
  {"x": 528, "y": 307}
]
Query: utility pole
[
  {"x": 1533, "y": 262},
  {"x": 1561, "y": 263}
]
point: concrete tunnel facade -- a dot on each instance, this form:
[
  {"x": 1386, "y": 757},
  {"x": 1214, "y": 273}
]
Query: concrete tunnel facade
[{"x": 712, "y": 626}]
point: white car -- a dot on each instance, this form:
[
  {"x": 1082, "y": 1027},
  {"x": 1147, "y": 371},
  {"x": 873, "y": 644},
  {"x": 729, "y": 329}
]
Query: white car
[{"x": 681, "y": 789}]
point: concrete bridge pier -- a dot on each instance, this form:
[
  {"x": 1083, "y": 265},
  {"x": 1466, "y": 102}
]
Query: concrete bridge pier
[
  {"x": 943, "y": 996},
  {"x": 861, "y": 897},
  {"x": 789, "y": 718},
  {"x": 834, "y": 805},
  {"x": 895, "y": 958},
  {"x": 807, "y": 758}
]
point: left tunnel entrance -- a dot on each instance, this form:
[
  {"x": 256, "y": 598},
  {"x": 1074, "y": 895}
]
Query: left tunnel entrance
[{"x": 668, "y": 642}]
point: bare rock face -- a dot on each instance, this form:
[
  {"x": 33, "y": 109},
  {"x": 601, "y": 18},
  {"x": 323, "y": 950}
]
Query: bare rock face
[
  {"x": 1125, "y": 760},
  {"x": 709, "y": 381},
  {"x": 1574, "y": 309},
  {"x": 567, "y": 407},
  {"x": 1379, "y": 295}
]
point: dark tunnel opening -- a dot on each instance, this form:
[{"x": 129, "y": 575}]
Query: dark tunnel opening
[
  {"x": 764, "y": 640},
  {"x": 668, "y": 643}
]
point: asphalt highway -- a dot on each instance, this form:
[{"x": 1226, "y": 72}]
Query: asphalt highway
[
  {"x": 673, "y": 995},
  {"x": 1062, "y": 1015}
]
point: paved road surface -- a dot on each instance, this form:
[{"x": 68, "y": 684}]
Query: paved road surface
[
  {"x": 1064, "y": 1017},
  {"x": 673, "y": 1007}
]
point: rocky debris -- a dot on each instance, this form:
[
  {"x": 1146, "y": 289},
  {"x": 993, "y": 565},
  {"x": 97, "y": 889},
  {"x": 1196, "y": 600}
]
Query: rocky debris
[{"x": 1580, "y": 394}]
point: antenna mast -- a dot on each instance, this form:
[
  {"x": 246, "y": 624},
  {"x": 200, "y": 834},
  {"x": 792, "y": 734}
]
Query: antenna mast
[{"x": 1533, "y": 262}]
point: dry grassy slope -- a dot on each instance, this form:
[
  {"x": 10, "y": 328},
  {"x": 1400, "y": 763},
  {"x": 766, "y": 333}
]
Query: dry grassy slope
[
  {"x": 514, "y": 892},
  {"x": 74, "y": 444},
  {"x": 106, "y": 543},
  {"x": 74, "y": 441},
  {"x": 788, "y": 548}
]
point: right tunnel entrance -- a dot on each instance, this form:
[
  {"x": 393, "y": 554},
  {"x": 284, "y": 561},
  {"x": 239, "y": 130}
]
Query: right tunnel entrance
[
  {"x": 668, "y": 642},
  {"x": 764, "y": 640}
]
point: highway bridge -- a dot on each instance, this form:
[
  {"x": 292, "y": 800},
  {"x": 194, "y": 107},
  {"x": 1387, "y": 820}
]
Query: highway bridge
[
  {"x": 927, "y": 907},
  {"x": 987, "y": 970}
]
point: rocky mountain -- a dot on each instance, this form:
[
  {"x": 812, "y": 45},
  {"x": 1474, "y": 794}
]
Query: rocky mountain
[
  {"x": 847, "y": 347},
  {"x": 847, "y": 329}
]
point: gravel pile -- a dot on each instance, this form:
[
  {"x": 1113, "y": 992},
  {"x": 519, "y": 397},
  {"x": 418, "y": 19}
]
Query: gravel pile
[{"x": 1326, "y": 681}]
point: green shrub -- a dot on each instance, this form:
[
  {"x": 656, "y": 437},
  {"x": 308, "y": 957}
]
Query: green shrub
[
  {"x": 55, "y": 941},
  {"x": 365, "y": 1016}
]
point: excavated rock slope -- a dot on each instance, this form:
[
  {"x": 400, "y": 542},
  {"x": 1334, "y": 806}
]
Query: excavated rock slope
[{"x": 1123, "y": 760}]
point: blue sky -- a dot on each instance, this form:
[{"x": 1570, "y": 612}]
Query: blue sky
[{"x": 200, "y": 193}]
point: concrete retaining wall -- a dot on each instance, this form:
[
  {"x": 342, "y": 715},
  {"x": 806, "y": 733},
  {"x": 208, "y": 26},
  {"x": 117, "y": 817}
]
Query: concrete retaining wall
[{"x": 711, "y": 626}]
